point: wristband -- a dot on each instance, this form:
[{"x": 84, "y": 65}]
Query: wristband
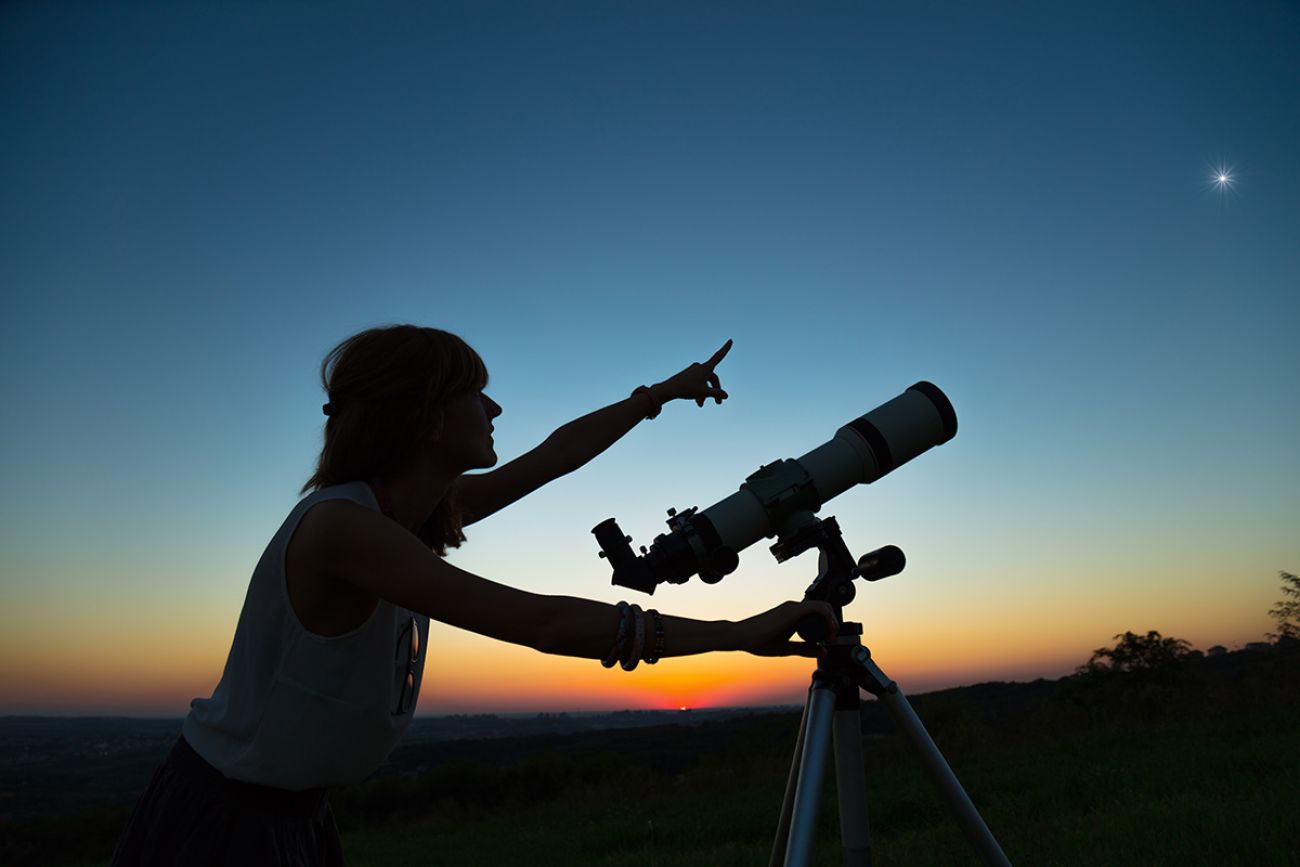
[
  {"x": 655, "y": 405},
  {"x": 633, "y": 657},
  {"x": 616, "y": 652},
  {"x": 658, "y": 650}
]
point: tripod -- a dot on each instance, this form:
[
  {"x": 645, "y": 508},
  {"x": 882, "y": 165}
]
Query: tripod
[{"x": 833, "y": 713}]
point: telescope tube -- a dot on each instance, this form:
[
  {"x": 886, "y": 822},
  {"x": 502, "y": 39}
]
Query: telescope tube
[{"x": 784, "y": 493}]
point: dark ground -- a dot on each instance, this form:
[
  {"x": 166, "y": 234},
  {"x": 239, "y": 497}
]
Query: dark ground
[{"x": 66, "y": 785}]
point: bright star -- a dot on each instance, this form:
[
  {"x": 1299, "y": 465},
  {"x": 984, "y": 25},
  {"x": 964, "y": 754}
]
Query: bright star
[{"x": 1223, "y": 179}]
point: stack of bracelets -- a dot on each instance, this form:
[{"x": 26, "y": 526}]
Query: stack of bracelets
[{"x": 630, "y": 642}]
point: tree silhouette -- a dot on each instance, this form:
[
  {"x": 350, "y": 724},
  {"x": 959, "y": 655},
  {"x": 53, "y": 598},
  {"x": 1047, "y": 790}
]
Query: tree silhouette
[
  {"x": 1287, "y": 611},
  {"x": 1134, "y": 653}
]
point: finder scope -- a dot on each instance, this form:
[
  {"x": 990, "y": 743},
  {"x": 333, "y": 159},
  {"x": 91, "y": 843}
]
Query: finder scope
[{"x": 780, "y": 498}]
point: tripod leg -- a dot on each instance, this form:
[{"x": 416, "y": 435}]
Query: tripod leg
[
  {"x": 972, "y": 825},
  {"x": 812, "y": 770},
  {"x": 851, "y": 782},
  {"x": 791, "y": 783}
]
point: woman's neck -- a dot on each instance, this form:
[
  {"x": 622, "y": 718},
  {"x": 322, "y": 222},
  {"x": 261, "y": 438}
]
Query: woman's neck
[{"x": 412, "y": 497}]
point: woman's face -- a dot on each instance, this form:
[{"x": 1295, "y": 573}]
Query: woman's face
[{"x": 466, "y": 436}]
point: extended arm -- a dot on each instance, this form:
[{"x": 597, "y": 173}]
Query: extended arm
[
  {"x": 574, "y": 444},
  {"x": 370, "y": 551}
]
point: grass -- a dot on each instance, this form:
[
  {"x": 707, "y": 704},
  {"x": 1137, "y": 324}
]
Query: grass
[
  {"x": 1199, "y": 765},
  {"x": 1185, "y": 793}
]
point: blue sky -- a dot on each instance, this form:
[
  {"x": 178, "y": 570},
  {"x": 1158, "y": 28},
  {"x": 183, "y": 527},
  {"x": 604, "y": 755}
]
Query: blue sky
[{"x": 1012, "y": 201}]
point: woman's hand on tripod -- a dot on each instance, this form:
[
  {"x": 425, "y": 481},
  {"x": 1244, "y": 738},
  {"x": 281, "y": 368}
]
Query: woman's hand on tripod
[{"x": 768, "y": 634}]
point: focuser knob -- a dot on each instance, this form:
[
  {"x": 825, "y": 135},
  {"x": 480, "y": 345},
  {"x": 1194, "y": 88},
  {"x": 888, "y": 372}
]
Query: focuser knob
[{"x": 881, "y": 563}]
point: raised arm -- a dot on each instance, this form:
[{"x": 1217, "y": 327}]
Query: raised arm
[
  {"x": 577, "y": 442},
  {"x": 372, "y": 552}
]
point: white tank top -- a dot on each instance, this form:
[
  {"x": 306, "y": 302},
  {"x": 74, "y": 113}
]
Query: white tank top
[{"x": 296, "y": 710}]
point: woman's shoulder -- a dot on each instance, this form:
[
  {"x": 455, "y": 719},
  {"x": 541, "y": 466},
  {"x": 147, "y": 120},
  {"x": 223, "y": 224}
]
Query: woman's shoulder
[
  {"x": 325, "y": 603},
  {"x": 357, "y": 492},
  {"x": 328, "y": 512}
]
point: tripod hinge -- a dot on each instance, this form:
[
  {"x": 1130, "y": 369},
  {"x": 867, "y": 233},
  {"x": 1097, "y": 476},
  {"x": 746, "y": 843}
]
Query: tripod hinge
[{"x": 873, "y": 680}]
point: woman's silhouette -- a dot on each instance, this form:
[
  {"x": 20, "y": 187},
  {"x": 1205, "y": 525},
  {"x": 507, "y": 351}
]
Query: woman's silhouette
[{"x": 325, "y": 666}]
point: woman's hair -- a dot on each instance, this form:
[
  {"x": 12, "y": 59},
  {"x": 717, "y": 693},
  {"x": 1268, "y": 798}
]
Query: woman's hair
[{"x": 387, "y": 389}]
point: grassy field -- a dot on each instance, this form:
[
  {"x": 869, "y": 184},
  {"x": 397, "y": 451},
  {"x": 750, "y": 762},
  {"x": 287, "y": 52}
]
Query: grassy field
[
  {"x": 1181, "y": 792},
  {"x": 1198, "y": 764}
]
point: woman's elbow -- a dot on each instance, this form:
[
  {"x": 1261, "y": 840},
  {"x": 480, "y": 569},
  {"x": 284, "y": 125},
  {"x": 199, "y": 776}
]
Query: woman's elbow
[
  {"x": 548, "y": 632},
  {"x": 561, "y": 630}
]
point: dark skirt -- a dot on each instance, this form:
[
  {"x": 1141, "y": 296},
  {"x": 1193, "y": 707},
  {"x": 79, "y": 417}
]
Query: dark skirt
[{"x": 192, "y": 815}]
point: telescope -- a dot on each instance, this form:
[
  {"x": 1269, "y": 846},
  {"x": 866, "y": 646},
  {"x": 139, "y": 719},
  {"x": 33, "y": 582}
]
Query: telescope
[{"x": 781, "y": 498}]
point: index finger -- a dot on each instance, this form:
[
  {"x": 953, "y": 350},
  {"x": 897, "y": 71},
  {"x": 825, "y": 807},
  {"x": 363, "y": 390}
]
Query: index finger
[{"x": 719, "y": 355}]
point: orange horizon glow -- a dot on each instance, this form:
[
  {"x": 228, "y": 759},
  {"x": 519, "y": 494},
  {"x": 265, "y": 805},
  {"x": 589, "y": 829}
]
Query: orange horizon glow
[
  {"x": 143, "y": 660},
  {"x": 468, "y": 674}
]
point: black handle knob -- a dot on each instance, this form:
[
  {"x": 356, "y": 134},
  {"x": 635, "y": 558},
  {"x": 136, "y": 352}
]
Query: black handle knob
[{"x": 881, "y": 563}]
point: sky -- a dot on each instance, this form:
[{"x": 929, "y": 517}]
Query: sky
[{"x": 1012, "y": 200}]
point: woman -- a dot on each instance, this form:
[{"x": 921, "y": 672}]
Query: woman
[{"x": 325, "y": 667}]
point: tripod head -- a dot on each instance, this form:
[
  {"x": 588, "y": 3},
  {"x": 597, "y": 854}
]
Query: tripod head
[{"x": 836, "y": 569}]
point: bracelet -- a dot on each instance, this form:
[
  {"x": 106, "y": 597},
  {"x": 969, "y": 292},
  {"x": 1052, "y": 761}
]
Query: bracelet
[
  {"x": 655, "y": 405},
  {"x": 633, "y": 657},
  {"x": 616, "y": 652},
  {"x": 659, "y": 638}
]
